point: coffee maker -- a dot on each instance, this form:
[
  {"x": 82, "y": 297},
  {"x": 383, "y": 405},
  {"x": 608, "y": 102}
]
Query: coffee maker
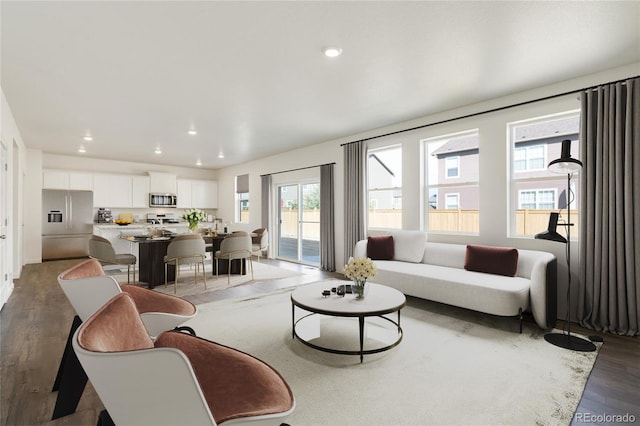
[{"x": 104, "y": 215}]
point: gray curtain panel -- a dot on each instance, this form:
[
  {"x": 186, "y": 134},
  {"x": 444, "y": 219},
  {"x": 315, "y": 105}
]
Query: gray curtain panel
[
  {"x": 355, "y": 212},
  {"x": 327, "y": 222},
  {"x": 265, "y": 183},
  {"x": 609, "y": 294}
]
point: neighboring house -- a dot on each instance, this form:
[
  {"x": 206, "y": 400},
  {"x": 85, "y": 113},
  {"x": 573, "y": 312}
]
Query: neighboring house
[{"x": 535, "y": 188}]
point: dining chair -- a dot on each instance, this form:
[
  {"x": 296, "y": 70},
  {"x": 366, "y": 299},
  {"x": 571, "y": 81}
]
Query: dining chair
[
  {"x": 234, "y": 246},
  {"x": 187, "y": 249},
  {"x": 179, "y": 379},
  {"x": 88, "y": 288},
  {"x": 259, "y": 242},
  {"x": 101, "y": 249}
]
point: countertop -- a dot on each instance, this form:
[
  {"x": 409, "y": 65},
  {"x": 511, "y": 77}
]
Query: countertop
[{"x": 139, "y": 225}]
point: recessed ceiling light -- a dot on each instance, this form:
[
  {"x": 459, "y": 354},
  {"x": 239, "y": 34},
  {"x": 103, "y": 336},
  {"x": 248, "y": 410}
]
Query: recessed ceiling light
[
  {"x": 193, "y": 132},
  {"x": 332, "y": 51},
  {"x": 158, "y": 151},
  {"x": 198, "y": 163},
  {"x": 88, "y": 138},
  {"x": 221, "y": 155},
  {"x": 81, "y": 150}
]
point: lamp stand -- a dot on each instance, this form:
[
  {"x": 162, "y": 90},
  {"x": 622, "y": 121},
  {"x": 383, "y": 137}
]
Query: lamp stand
[{"x": 567, "y": 341}]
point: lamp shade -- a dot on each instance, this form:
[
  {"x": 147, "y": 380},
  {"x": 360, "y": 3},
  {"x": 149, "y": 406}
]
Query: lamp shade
[
  {"x": 551, "y": 234},
  {"x": 565, "y": 164}
]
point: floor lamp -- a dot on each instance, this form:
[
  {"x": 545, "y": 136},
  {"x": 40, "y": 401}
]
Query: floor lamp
[{"x": 565, "y": 165}]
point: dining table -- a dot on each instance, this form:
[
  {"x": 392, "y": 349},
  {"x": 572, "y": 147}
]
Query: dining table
[{"x": 152, "y": 250}]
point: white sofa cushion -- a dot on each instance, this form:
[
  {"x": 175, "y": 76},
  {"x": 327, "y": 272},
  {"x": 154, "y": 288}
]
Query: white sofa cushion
[
  {"x": 492, "y": 294},
  {"x": 409, "y": 245}
]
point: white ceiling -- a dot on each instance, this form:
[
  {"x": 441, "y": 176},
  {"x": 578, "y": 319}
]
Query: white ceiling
[{"x": 251, "y": 79}]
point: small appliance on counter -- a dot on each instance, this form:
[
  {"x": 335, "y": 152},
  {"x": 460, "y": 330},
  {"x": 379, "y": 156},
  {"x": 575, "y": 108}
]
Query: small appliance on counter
[{"x": 104, "y": 215}]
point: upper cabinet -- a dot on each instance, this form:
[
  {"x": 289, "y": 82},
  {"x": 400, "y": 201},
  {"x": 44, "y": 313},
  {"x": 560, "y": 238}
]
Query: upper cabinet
[
  {"x": 140, "y": 191},
  {"x": 61, "y": 179},
  {"x": 112, "y": 191},
  {"x": 162, "y": 183},
  {"x": 202, "y": 194}
]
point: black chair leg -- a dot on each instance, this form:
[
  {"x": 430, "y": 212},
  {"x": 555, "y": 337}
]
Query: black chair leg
[
  {"x": 67, "y": 349},
  {"x": 104, "y": 419},
  {"x": 71, "y": 381}
]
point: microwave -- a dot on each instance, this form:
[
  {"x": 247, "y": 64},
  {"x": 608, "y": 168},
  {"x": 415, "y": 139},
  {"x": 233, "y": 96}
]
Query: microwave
[{"x": 163, "y": 200}]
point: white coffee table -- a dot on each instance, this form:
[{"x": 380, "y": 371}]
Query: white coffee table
[{"x": 378, "y": 301}]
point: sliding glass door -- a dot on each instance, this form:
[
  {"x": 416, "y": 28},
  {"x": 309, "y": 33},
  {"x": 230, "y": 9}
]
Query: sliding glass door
[{"x": 299, "y": 222}]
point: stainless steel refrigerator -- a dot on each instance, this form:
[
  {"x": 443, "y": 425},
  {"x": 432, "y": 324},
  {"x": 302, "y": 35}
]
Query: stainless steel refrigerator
[{"x": 67, "y": 223}]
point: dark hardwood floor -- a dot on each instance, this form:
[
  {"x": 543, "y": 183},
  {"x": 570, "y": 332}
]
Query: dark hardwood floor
[{"x": 35, "y": 321}]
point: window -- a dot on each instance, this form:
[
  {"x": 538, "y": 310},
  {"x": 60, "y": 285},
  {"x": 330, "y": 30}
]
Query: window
[
  {"x": 536, "y": 192},
  {"x": 528, "y": 158},
  {"x": 242, "y": 198},
  {"x": 453, "y": 166},
  {"x": 537, "y": 199},
  {"x": 384, "y": 187},
  {"x": 452, "y": 201},
  {"x": 452, "y": 191}
]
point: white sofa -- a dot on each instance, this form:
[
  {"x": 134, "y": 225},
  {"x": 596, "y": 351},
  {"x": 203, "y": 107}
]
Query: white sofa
[{"x": 436, "y": 271}]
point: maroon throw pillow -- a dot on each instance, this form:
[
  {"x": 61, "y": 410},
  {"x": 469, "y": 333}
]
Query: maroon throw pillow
[
  {"x": 492, "y": 260},
  {"x": 380, "y": 247}
]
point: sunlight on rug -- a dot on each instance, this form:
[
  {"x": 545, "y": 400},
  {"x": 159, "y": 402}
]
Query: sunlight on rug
[
  {"x": 187, "y": 285},
  {"x": 451, "y": 367}
]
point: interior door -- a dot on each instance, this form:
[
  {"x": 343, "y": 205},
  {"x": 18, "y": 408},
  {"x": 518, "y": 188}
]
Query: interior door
[{"x": 299, "y": 222}]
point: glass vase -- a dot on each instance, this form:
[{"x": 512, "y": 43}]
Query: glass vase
[
  {"x": 193, "y": 226},
  {"x": 358, "y": 288}
]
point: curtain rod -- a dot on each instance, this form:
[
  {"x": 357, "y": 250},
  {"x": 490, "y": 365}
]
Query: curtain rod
[
  {"x": 489, "y": 111},
  {"x": 299, "y": 168}
]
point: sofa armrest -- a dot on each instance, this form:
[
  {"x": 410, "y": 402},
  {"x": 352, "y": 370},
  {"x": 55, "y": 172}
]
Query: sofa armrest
[
  {"x": 360, "y": 249},
  {"x": 543, "y": 292}
]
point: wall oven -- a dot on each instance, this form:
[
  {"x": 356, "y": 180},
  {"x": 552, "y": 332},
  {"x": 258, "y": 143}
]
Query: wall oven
[{"x": 163, "y": 200}]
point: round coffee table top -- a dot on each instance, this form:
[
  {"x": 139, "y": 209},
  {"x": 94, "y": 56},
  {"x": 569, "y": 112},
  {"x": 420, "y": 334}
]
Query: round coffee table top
[{"x": 378, "y": 300}]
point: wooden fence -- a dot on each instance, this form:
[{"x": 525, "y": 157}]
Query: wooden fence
[{"x": 528, "y": 222}]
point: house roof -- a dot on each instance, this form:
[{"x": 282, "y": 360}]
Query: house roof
[{"x": 460, "y": 144}]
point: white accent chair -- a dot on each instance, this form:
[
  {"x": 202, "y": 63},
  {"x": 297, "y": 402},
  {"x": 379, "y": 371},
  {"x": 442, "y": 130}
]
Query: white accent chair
[
  {"x": 259, "y": 242},
  {"x": 235, "y": 246},
  {"x": 88, "y": 288},
  {"x": 185, "y": 250},
  {"x": 179, "y": 379},
  {"x": 100, "y": 248}
]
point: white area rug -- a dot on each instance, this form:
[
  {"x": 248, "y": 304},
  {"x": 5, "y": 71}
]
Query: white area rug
[
  {"x": 452, "y": 367},
  {"x": 188, "y": 287}
]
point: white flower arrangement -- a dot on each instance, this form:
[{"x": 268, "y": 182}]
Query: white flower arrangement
[
  {"x": 360, "y": 269},
  {"x": 193, "y": 216}
]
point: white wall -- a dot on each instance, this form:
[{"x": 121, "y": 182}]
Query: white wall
[{"x": 10, "y": 136}]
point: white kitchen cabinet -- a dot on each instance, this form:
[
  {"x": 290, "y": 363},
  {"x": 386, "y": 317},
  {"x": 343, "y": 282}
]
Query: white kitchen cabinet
[
  {"x": 101, "y": 191},
  {"x": 112, "y": 191},
  {"x": 140, "y": 191},
  {"x": 162, "y": 183},
  {"x": 202, "y": 194},
  {"x": 81, "y": 181},
  {"x": 184, "y": 194},
  {"x": 63, "y": 179}
]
